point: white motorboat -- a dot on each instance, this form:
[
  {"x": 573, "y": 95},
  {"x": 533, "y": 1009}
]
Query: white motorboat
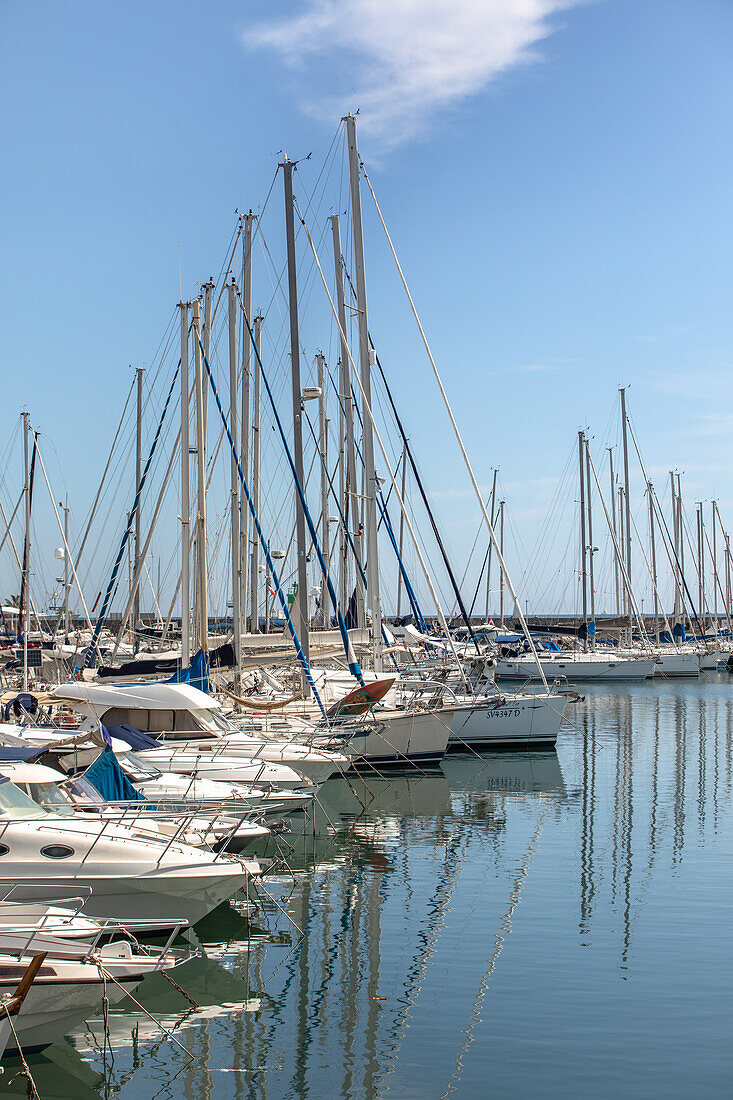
[
  {"x": 66, "y": 990},
  {"x": 190, "y": 723},
  {"x": 198, "y": 824},
  {"x": 130, "y": 875}
]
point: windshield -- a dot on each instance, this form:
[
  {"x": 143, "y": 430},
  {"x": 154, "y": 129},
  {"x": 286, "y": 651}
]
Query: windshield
[
  {"x": 14, "y": 803},
  {"x": 50, "y": 797},
  {"x": 136, "y": 768},
  {"x": 212, "y": 720}
]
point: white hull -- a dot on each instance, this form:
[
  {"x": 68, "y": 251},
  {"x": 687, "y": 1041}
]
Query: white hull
[
  {"x": 52, "y": 1010},
  {"x": 164, "y": 897},
  {"x": 677, "y": 664},
  {"x": 403, "y": 738},
  {"x": 575, "y": 668},
  {"x": 519, "y": 722}
]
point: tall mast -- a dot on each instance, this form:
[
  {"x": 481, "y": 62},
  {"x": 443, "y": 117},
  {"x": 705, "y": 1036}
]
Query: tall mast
[
  {"x": 203, "y": 607},
  {"x": 583, "y": 543},
  {"x": 370, "y": 474},
  {"x": 700, "y": 562},
  {"x": 714, "y": 555},
  {"x": 323, "y": 447},
  {"x": 615, "y": 532},
  {"x": 302, "y": 594},
  {"x": 234, "y": 488},
  {"x": 591, "y": 551},
  {"x": 244, "y": 424},
  {"x": 624, "y": 591},
  {"x": 627, "y": 495},
  {"x": 26, "y": 552},
  {"x": 650, "y": 490},
  {"x": 185, "y": 497},
  {"x": 254, "y": 580},
  {"x": 66, "y": 572},
  {"x": 138, "y": 513},
  {"x": 492, "y": 513},
  {"x": 501, "y": 551},
  {"x": 681, "y": 536},
  {"x": 347, "y": 467},
  {"x": 402, "y": 528},
  {"x": 728, "y": 580},
  {"x": 206, "y": 341},
  {"x": 676, "y": 538},
  {"x": 726, "y": 559}
]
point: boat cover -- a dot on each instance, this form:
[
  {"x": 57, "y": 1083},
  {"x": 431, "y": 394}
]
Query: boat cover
[
  {"x": 132, "y": 737},
  {"x": 108, "y": 778}
]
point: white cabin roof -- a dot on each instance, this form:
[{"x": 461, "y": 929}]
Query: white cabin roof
[
  {"x": 101, "y": 697},
  {"x": 21, "y": 772}
]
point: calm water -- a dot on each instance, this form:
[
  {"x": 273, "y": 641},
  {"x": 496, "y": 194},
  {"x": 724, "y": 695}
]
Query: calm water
[{"x": 531, "y": 925}]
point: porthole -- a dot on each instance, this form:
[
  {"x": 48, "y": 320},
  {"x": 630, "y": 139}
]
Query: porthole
[
  {"x": 4, "y": 849},
  {"x": 57, "y": 851}
]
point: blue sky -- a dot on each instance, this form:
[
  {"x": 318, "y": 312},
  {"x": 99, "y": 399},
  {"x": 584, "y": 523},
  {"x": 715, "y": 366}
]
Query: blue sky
[{"x": 556, "y": 178}]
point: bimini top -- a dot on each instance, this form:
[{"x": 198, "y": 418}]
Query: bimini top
[{"x": 136, "y": 696}]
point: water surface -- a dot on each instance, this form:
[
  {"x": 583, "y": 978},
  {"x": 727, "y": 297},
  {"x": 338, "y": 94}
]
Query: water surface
[{"x": 515, "y": 925}]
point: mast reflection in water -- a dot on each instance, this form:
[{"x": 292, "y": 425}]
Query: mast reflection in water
[{"x": 513, "y": 925}]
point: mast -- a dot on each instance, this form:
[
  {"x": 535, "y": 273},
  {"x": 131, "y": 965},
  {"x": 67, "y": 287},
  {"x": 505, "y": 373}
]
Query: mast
[
  {"x": 726, "y": 559},
  {"x": 681, "y": 536},
  {"x": 402, "y": 528},
  {"x": 615, "y": 532},
  {"x": 347, "y": 468},
  {"x": 591, "y": 548},
  {"x": 676, "y": 536},
  {"x": 323, "y": 447},
  {"x": 728, "y": 581},
  {"x": 583, "y": 543},
  {"x": 650, "y": 489},
  {"x": 234, "y": 488},
  {"x": 254, "y": 580},
  {"x": 700, "y": 563},
  {"x": 244, "y": 423},
  {"x": 206, "y": 341},
  {"x": 138, "y": 513},
  {"x": 619, "y": 552},
  {"x": 714, "y": 556},
  {"x": 203, "y": 608},
  {"x": 302, "y": 622},
  {"x": 66, "y": 572},
  {"x": 365, "y": 363},
  {"x": 501, "y": 551},
  {"x": 627, "y": 495},
  {"x": 491, "y": 545},
  {"x": 27, "y": 551},
  {"x": 185, "y": 497}
]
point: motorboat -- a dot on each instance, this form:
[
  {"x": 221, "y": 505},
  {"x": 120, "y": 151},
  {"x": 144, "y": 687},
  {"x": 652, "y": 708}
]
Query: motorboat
[
  {"x": 131, "y": 875},
  {"x": 190, "y": 726}
]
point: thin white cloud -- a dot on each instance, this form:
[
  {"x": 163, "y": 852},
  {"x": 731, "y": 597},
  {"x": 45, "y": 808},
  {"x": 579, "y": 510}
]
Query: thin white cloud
[{"x": 402, "y": 61}]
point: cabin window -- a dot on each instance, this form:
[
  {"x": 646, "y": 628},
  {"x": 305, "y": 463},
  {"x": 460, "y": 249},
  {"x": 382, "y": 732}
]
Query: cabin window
[
  {"x": 57, "y": 851},
  {"x": 4, "y": 849}
]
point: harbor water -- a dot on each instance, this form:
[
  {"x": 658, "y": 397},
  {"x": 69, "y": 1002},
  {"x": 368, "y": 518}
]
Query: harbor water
[{"x": 513, "y": 925}]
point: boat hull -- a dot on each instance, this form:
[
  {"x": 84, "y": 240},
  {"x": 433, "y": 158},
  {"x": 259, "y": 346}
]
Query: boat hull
[
  {"x": 515, "y": 722},
  {"x": 614, "y": 668},
  {"x": 403, "y": 739}
]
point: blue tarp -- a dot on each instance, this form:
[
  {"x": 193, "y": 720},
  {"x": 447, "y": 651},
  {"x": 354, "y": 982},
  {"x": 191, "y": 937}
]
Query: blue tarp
[
  {"x": 197, "y": 673},
  {"x": 132, "y": 737},
  {"x": 10, "y": 753},
  {"x": 108, "y": 778}
]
